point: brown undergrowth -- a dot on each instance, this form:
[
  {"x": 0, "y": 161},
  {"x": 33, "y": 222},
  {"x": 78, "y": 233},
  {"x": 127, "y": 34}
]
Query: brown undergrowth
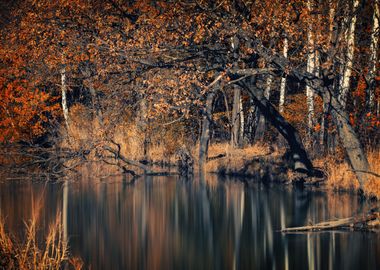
[
  {"x": 86, "y": 131},
  {"x": 164, "y": 142},
  {"x": 340, "y": 175},
  {"x": 234, "y": 159},
  {"x": 29, "y": 254}
]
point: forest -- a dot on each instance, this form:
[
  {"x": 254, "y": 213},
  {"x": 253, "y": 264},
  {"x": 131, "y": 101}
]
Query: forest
[
  {"x": 137, "y": 83},
  {"x": 271, "y": 91}
]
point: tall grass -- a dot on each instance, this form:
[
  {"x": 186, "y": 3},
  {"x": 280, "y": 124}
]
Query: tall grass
[
  {"x": 341, "y": 177},
  {"x": 235, "y": 158},
  {"x": 29, "y": 254}
]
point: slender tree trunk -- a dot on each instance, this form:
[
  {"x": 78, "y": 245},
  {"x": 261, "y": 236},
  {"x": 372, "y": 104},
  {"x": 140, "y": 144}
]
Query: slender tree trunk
[
  {"x": 205, "y": 135},
  {"x": 311, "y": 61},
  {"x": 94, "y": 97},
  {"x": 250, "y": 126},
  {"x": 142, "y": 125},
  {"x": 324, "y": 124},
  {"x": 236, "y": 119},
  {"x": 283, "y": 79},
  {"x": 373, "y": 61},
  {"x": 350, "y": 38},
  {"x": 96, "y": 104},
  {"x": 64, "y": 98},
  {"x": 241, "y": 117}
]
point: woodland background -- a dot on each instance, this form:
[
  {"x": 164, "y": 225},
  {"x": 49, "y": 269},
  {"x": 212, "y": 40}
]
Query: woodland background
[{"x": 149, "y": 81}]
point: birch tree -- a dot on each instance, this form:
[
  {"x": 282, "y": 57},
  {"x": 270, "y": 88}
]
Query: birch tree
[
  {"x": 374, "y": 47},
  {"x": 65, "y": 109},
  {"x": 283, "y": 79},
  {"x": 311, "y": 59},
  {"x": 347, "y": 69}
]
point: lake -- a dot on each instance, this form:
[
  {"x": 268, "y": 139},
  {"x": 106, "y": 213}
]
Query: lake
[{"x": 173, "y": 223}]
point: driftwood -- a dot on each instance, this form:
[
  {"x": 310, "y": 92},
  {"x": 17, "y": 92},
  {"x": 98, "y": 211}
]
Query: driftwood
[{"x": 361, "y": 222}]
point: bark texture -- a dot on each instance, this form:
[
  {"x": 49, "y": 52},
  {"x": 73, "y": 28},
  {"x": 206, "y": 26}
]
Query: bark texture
[
  {"x": 324, "y": 86},
  {"x": 205, "y": 135},
  {"x": 237, "y": 124},
  {"x": 350, "y": 39}
]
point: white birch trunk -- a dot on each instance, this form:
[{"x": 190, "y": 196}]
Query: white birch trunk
[
  {"x": 374, "y": 50},
  {"x": 311, "y": 61},
  {"x": 241, "y": 116},
  {"x": 64, "y": 98},
  {"x": 283, "y": 80},
  {"x": 350, "y": 38}
]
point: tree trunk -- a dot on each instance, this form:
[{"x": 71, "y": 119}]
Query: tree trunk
[
  {"x": 261, "y": 127},
  {"x": 350, "y": 38},
  {"x": 323, "y": 86},
  {"x": 283, "y": 79},
  {"x": 241, "y": 125},
  {"x": 64, "y": 98},
  {"x": 311, "y": 58},
  {"x": 236, "y": 124},
  {"x": 94, "y": 97},
  {"x": 324, "y": 124},
  {"x": 373, "y": 61},
  {"x": 250, "y": 126},
  {"x": 142, "y": 124},
  {"x": 350, "y": 141},
  {"x": 205, "y": 135},
  {"x": 297, "y": 150}
]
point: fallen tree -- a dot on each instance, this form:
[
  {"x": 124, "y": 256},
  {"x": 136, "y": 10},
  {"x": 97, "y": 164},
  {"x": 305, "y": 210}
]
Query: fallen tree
[{"x": 361, "y": 222}]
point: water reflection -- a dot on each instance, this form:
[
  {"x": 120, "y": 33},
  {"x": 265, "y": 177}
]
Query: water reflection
[{"x": 169, "y": 223}]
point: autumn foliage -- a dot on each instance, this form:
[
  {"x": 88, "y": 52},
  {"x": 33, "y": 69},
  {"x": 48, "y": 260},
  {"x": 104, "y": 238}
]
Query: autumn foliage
[{"x": 150, "y": 64}]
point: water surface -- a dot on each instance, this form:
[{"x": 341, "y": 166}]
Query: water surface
[{"x": 172, "y": 223}]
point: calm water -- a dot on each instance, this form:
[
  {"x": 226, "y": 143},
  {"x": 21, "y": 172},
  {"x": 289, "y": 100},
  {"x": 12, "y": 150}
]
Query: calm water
[{"x": 169, "y": 223}]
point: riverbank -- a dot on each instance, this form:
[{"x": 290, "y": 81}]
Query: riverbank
[
  {"x": 269, "y": 164},
  {"x": 263, "y": 162}
]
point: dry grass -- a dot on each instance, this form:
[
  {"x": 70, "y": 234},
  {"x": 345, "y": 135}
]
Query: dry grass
[
  {"x": 235, "y": 158},
  {"x": 372, "y": 187},
  {"x": 29, "y": 254},
  {"x": 341, "y": 177},
  {"x": 85, "y": 131}
]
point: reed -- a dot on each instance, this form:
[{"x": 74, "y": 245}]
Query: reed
[
  {"x": 29, "y": 254},
  {"x": 341, "y": 177}
]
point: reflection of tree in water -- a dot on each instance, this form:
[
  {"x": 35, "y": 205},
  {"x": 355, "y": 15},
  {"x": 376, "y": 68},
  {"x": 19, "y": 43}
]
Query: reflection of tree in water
[{"x": 166, "y": 223}]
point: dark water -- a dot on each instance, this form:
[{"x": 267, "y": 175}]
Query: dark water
[{"x": 169, "y": 223}]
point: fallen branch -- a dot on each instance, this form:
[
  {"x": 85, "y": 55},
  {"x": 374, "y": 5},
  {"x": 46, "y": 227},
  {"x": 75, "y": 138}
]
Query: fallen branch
[
  {"x": 368, "y": 172},
  {"x": 357, "y": 223},
  {"x": 118, "y": 155},
  {"x": 216, "y": 157}
]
